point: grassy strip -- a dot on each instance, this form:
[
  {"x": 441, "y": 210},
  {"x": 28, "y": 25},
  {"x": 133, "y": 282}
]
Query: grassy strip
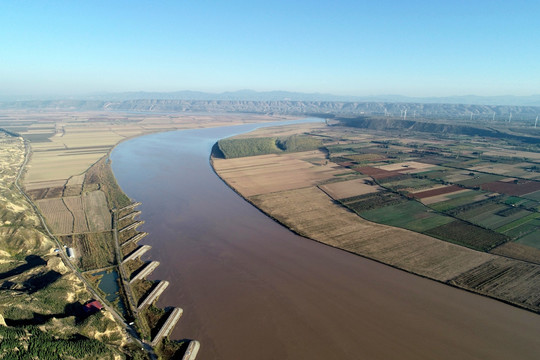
[{"x": 101, "y": 177}]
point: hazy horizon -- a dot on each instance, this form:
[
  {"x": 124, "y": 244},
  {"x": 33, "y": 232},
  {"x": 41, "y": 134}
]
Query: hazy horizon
[{"x": 344, "y": 48}]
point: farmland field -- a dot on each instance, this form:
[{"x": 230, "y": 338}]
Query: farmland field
[
  {"x": 532, "y": 239},
  {"x": 312, "y": 213},
  {"x": 478, "y": 179},
  {"x": 410, "y": 184},
  {"x": 533, "y": 196},
  {"x": 459, "y": 199},
  {"x": 465, "y": 234},
  {"x": 94, "y": 250},
  {"x": 407, "y": 167},
  {"x": 350, "y": 188},
  {"x": 443, "y": 190},
  {"x": 73, "y": 185},
  {"x": 521, "y": 226},
  {"x": 58, "y": 216},
  {"x": 75, "y": 206},
  {"x": 372, "y": 201},
  {"x": 378, "y": 174},
  {"x": 518, "y": 251},
  {"x": 77, "y": 214},
  {"x": 269, "y": 173},
  {"x": 514, "y": 280},
  {"x": 97, "y": 213},
  {"x": 493, "y": 215},
  {"x": 511, "y": 188},
  {"x": 409, "y": 215}
]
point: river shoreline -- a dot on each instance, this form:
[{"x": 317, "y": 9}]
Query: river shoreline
[
  {"x": 251, "y": 265},
  {"x": 287, "y": 226}
]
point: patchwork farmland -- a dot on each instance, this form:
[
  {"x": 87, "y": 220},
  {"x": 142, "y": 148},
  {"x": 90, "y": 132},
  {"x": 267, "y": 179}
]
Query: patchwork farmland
[
  {"x": 77, "y": 214},
  {"x": 443, "y": 216}
]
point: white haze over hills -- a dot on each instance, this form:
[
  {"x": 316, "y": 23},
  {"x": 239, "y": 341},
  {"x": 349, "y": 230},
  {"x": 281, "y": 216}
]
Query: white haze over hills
[{"x": 251, "y": 95}]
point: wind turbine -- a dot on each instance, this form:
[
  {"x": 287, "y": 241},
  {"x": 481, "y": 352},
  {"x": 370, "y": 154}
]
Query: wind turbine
[
  {"x": 405, "y": 115},
  {"x": 510, "y": 117},
  {"x": 493, "y": 116},
  {"x": 536, "y": 122}
]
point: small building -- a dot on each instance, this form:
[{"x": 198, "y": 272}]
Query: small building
[
  {"x": 70, "y": 253},
  {"x": 92, "y": 306}
]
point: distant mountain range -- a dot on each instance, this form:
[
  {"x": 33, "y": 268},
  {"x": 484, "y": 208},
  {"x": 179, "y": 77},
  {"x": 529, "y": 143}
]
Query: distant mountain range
[
  {"x": 328, "y": 109},
  {"x": 250, "y": 95}
]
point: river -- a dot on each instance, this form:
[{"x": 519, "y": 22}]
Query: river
[{"x": 251, "y": 289}]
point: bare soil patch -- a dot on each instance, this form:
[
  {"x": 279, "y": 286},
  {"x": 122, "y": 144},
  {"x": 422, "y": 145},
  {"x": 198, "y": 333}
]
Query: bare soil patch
[
  {"x": 58, "y": 216},
  {"x": 350, "y": 188},
  {"x": 77, "y": 214},
  {"x": 511, "y": 188},
  {"x": 270, "y": 173},
  {"x": 406, "y": 166},
  {"x": 75, "y": 206},
  {"x": 518, "y": 251}
]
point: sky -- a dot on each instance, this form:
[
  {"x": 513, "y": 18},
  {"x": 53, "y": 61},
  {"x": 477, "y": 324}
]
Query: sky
[{"x": 362, "y": 48}]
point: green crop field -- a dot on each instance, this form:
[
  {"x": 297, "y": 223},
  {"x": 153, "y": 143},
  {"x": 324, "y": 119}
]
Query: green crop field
[
  {"x": 410, "y": 183},
  {"x": 440, "y": 173},
  {"x": 410, "y": 215},
  {"x": 372, "y": 201},
  {"x": 462, "y": 233},
  {"x": 422, "y": 225},
  {"x": 532, "y": 239},
  {"x": 493, "y": 215},
  {"x": 522, "y": 226},
  {"x": 513, "y": 200},
  {"x": 522, "y": 202},
  {"x": 479, "y": 179},
  {"x": 532, "y": 196},
  {"x": 456, "y": 200}
]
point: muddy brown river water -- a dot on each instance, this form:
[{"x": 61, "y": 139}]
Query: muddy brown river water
[{"x": 251, "y": 289}]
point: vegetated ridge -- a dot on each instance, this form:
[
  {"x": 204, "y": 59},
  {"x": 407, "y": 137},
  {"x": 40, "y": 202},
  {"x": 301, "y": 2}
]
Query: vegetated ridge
[{"x": 234, "y": 148}]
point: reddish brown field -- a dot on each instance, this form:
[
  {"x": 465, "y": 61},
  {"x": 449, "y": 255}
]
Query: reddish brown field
[
  {"x": 438, "y": 191},
  {"x": 510, "y": 188}
]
